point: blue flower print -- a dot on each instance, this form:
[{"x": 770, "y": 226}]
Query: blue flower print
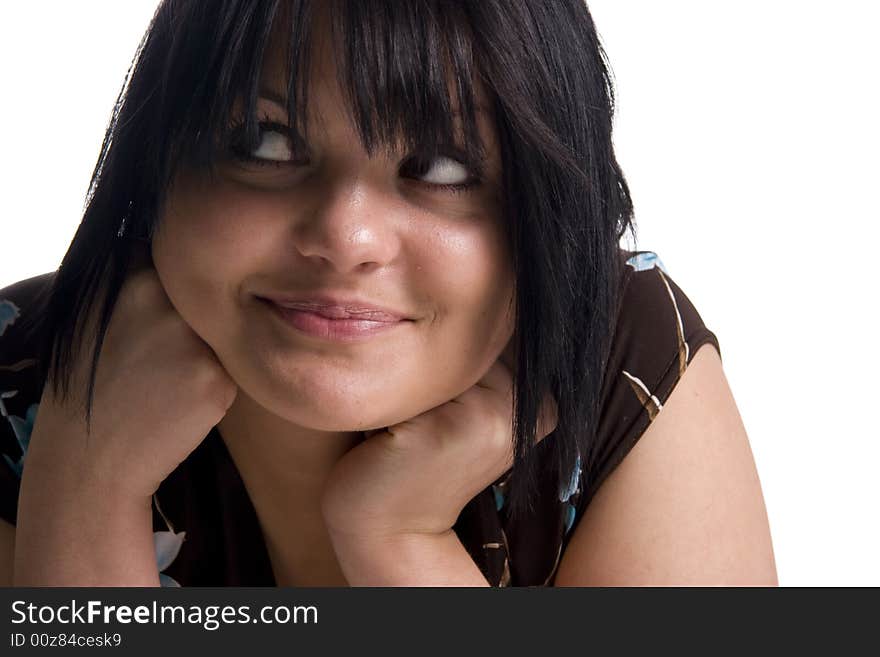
[
  {"x": 572, "y": 487},
  {"x": 569, "y": 517},
  {"x": 566, "y": 492},
  {"x": 499, "y": 490},
  {"x": 9, "y": 312},
  {"x": 22, "y": 428},
  {"x": 167, "y": 546},
  {"x": 646, "y": 260},
  {"x": 499, "y": 498}
]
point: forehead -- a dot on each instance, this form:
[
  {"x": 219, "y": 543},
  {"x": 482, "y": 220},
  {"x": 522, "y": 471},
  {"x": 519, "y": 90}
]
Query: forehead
[{"x": 325, "y": 78}]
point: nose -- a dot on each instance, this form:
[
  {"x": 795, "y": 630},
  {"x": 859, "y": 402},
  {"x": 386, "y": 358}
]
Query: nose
[{"x": 352, "y": 227}]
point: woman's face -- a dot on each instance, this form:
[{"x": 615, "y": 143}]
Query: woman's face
[{"x": 340, "y": 224}]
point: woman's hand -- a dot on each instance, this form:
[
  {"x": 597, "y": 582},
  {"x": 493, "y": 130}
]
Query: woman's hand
[
  {"x": 415, "y": 477},
  {"x": 159, "y": 389},
  {"x": 85, "y": 516}
]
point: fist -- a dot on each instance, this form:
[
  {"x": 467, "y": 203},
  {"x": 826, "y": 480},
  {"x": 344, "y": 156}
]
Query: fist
[
  {"x": 416, "y": 476},
  {"x": 159, "y": 389}
]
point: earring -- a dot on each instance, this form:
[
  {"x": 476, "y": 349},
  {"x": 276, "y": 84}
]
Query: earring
[{"x": 121, "y": 231}]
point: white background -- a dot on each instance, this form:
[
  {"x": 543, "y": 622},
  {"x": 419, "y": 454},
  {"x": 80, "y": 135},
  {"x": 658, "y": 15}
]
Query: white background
[{"x": 748, "y": 133}]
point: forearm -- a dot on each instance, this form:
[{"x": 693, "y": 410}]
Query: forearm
[
  {"x": 75, "y": 533},
  {"x": 407, "y": 560}
]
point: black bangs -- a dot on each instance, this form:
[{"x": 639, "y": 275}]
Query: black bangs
[
  {"x": 405, "y": 69},
  {"x": 401, "y": 61}
]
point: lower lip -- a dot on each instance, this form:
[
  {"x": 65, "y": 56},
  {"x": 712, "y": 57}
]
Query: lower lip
[{"x": 333, "y": 330}]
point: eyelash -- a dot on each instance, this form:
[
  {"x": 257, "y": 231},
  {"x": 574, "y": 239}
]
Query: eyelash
[{"x": 234, "y": 131}]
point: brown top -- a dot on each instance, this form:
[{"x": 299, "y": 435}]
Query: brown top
[{"x": 206, "y": 530}]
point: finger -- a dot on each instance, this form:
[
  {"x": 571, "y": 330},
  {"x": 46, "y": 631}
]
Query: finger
[{"x": 499, "y": 378}]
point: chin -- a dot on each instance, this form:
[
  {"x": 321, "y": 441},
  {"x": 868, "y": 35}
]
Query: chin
[
  {"x": 337, "y": 423},
  {"x": 332, "y": 412},
  {"x": 334, "y": 398}
]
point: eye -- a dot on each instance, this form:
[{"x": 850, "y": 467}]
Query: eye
[
  {"x": 441, "y": 172},
  {"x": 273, "y": 146},
  {"x": 446, "y": 171}
]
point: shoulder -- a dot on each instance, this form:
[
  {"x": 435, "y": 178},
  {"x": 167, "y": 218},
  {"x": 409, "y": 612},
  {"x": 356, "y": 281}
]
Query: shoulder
[
  {"x": 656, "y": 317},
  {"x": 670, "y": 476},
  {"x": 658, "y": 332},
  {"x": 685, "y": 507}
]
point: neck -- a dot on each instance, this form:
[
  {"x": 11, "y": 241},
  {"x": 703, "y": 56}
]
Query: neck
[
  {"x": 284, "y": 467},
  {"x": 272, "y": 452}
]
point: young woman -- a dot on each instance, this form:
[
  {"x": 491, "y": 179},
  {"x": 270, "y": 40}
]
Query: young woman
[{"x": 347, "y": 306}]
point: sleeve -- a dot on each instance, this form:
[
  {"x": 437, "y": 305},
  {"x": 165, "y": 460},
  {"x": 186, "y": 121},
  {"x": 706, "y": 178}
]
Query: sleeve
[
  {"x": 658, "y": 332},
  {"x": 20, "y": 390}
]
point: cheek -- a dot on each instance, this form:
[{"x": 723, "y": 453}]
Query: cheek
[
  {"x": 206, "y": 245},
  {"x": 216, "y": 223},
  {"x": 472, "y": 280}
]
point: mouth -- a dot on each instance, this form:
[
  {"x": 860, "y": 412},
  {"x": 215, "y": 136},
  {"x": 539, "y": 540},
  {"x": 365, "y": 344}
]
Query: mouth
[{"x": 327, "y": 324}]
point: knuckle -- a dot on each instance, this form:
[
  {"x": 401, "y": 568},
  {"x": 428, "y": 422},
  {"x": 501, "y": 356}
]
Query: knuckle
[
  {"x": 216, "y": 384},
  {"x": 503, "y": 439},
  {"x": 497, "y": 438},
  {"x": 228, "y": 393}
]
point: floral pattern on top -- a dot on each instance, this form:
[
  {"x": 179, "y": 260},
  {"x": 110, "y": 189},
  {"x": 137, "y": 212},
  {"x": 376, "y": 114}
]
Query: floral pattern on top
[
  {"x": 644, "y": 262},
  {"x": 9, "y": 312}
]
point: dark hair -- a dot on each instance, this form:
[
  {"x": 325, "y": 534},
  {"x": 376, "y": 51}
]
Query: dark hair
[{"x": 566, "y": 204}]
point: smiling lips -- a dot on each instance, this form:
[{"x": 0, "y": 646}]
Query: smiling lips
[{"x": 335, "y": 320}]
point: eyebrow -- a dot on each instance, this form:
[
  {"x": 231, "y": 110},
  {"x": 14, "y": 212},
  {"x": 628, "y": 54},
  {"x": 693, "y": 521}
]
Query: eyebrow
[{"x": 281, "y": 101}]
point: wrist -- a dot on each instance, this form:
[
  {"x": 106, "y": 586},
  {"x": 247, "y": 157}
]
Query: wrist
[
  {"x": 81, "y": 533},
  {"x": 73, "y": 476},
  {"x": 406, "y": 560}
]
